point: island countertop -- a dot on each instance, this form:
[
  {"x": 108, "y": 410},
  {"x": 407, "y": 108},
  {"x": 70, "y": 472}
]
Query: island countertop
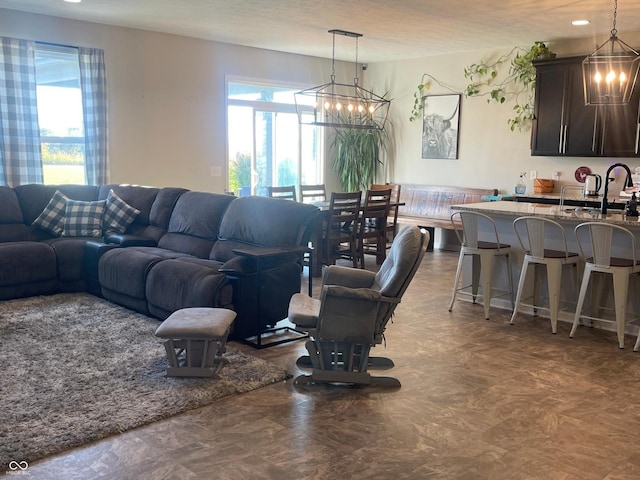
[{"x": 564, "y": 215}]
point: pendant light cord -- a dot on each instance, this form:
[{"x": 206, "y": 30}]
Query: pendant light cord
[
  {"x": 355, "y": 79},
  {"x": 333, "y": 59}
]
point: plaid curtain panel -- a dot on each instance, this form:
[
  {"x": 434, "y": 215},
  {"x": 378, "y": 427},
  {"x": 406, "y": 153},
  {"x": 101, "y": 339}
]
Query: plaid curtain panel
[
  {"x": 93, "y": 83},
  {"x": 20, "y": 157}
]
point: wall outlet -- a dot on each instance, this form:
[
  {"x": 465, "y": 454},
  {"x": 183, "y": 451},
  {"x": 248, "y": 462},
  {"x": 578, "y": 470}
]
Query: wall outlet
[
  {"x": 533, "y": 174},
  {"x": 555, "y": 175}
]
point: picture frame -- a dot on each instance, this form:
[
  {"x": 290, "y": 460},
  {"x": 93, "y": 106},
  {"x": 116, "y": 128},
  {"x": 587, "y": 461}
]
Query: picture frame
[{"x": 441, "y": 126}]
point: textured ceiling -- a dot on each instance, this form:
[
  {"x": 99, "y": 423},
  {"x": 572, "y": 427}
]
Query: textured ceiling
[{"x": 392, "y": 29}]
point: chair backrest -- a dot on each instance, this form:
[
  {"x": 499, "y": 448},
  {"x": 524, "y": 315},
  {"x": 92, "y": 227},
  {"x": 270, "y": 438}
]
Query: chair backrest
[
  {"x": 344, "y": 207},
  {"x": 395, "y": 199},
  {"x": 538, "y": 234},
  {"x": 313, "y": 193},
  {"x": 376, "y": 206},
  {"x": 471, "y": 223},
  {"x": 287, "y": 192},
  {"x": 397, "y": 271},
  {"x": 604, "y": 240}
]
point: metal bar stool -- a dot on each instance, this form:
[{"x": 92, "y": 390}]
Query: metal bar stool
[
  {"x": 483, "y": 254},
  {"x": 600, "y": 247},
  {"x": 541, "y": 235}
]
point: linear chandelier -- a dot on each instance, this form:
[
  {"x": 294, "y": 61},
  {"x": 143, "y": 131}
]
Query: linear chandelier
[
  {"x": 341, "y": 105},
  {"x": 610, "y": 72}
]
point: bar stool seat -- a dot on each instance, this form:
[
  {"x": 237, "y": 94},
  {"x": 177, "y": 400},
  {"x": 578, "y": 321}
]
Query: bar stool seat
[
  {"x": 599, "y": 258},
  {"x": 483, "y": 253},
  {"x": 539, "y": 235},
  {"x": 196, "y": 339}
]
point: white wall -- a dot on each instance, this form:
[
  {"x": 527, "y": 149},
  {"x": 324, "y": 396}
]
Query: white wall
[
  {"x": 167, "y": 107},
  {"x": 166, "y": 95},
  {"x": 490, "y": 155}
]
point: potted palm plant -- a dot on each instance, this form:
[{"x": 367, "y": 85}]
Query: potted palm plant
[{"x": 358, "y": 153}]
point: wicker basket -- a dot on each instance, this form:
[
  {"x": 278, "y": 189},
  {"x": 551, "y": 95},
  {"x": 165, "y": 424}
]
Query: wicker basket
[{"x": 542, "y": 185}]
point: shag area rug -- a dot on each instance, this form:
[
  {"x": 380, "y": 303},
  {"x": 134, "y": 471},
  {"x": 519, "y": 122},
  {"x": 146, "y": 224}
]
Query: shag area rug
[{"x": 76, "y": 368}]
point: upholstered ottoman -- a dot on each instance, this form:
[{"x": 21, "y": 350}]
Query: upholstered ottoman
[{"x": 196, "y": 338}]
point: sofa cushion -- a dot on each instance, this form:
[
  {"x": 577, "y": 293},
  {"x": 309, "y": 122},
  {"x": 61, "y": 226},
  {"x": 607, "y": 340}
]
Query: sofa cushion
[
  {"x": 118, "y": 214},
  {"x": 12, "y": 226},
  {"x": 263, "y": 221},
  {"x": 186, "y": 282},
  {"x": 26, "y": 262},
  {"x": 83, "y": 219},
  {"x": 52, "y": 217},
  {"x": 193, "y": 226}
]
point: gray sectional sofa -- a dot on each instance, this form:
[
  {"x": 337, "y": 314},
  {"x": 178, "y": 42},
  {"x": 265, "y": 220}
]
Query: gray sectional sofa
[{"x": 179, "y": 251}]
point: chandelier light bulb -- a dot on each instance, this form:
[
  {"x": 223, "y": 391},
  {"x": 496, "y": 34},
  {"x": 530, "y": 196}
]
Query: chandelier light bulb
[
  {"x": 360, "y": 108},
  {"x": 623, "y": 77},
  {"x": 338, "y": 106},
  {"x": 327, "y": 106},
  {"x": 611, "y": 76},
  {"x": 350, "y": 108},
  {"x": 597, "y": 77}
]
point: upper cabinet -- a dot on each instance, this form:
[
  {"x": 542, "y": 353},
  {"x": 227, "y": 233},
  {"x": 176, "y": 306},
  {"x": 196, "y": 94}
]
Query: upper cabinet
[{"x": 565, "y": 126}]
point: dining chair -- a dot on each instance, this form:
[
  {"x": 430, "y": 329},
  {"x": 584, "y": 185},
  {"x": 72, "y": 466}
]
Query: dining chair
[
  {"x": 544, "y": 243},
  {"x": 372, "y": 225},
  {"x": 483, "y": 254},
  {"x": 599, "y": 244},
  {"x": 340, "y": 232},
  {"x": 313, "y": 193},
  {"x": 392, "y": 221},
  {"x": 287, "y": 192}
]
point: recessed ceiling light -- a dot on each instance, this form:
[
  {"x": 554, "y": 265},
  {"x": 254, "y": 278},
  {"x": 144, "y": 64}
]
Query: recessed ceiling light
[
  {"x": 73, "y": 1},
  {"x": 580, "y": 23}
]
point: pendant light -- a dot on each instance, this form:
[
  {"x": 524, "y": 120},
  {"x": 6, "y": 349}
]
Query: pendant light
[
  {"x": 342, "y": 105},
  {"x": 610, "y": 72}
]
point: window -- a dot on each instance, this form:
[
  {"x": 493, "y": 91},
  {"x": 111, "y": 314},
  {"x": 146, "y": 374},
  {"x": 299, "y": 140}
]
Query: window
[
  {"x": 266, "y": 144},
  {"x": 54, "y": 95},
  {"x": 60, "y": 114}
]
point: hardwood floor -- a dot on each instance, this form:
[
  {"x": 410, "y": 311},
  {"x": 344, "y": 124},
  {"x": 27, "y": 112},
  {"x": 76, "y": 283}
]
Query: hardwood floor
[{"x": 480, "y": 399}]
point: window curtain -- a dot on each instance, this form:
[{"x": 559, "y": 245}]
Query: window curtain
[
  {"x": 93, "y": 83},
  {"x": 20, "y": 156}
]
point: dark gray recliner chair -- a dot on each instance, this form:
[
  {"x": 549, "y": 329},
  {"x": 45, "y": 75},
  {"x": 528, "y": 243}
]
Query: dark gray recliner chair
[{"x": 352, "y": 313}]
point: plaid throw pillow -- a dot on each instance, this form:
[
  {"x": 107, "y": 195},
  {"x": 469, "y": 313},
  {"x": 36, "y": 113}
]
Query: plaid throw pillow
[
  {"x": 118, "y": 214},
  {"x": 83, "y": 219},
  {"x": 52, "y": 217}
]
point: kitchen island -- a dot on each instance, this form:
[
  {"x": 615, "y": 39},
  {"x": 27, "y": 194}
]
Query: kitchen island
[{"x": 505, "y": 212}]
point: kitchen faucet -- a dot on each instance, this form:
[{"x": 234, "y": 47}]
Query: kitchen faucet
[{"x": 628, "y": 184}]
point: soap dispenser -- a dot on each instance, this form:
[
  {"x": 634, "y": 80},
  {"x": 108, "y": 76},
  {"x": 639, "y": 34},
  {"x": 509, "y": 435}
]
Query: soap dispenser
[
  {"x": 521, "y": 187},
  {"x": 632, "y": 206}
]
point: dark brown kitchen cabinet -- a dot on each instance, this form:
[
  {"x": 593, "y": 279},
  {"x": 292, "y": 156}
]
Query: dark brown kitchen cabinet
[{"x": 565, "y": 126}]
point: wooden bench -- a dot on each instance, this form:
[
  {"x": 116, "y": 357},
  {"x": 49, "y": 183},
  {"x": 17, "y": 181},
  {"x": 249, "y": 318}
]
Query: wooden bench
[{"x": 428, "y": 206}]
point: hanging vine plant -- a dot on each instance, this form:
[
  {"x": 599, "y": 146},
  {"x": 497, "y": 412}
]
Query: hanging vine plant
[{"x": 519, "y": 83}]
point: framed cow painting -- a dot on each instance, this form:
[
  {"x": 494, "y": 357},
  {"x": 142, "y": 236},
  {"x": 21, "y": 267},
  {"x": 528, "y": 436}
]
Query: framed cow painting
[{"x": 441, "y": 123}]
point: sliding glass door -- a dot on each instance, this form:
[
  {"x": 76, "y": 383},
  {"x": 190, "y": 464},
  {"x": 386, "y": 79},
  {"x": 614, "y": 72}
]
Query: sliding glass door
[{"x": 267, "y": 145}]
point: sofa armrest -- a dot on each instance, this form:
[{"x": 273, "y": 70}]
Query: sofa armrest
[
  {"x": 253, "y": 259},
  {"x": 127, "y": 240},
  {"x": 92, "y": 253}
]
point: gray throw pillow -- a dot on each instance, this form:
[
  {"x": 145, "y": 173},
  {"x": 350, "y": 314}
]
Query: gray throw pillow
[
  {"x": 52, "y": 217},
  {"x": 83, "y": 219},
  {"x": 118, "y": 214}
]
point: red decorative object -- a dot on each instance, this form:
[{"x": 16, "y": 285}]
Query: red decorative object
[{"x": 581, "y": 173}]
